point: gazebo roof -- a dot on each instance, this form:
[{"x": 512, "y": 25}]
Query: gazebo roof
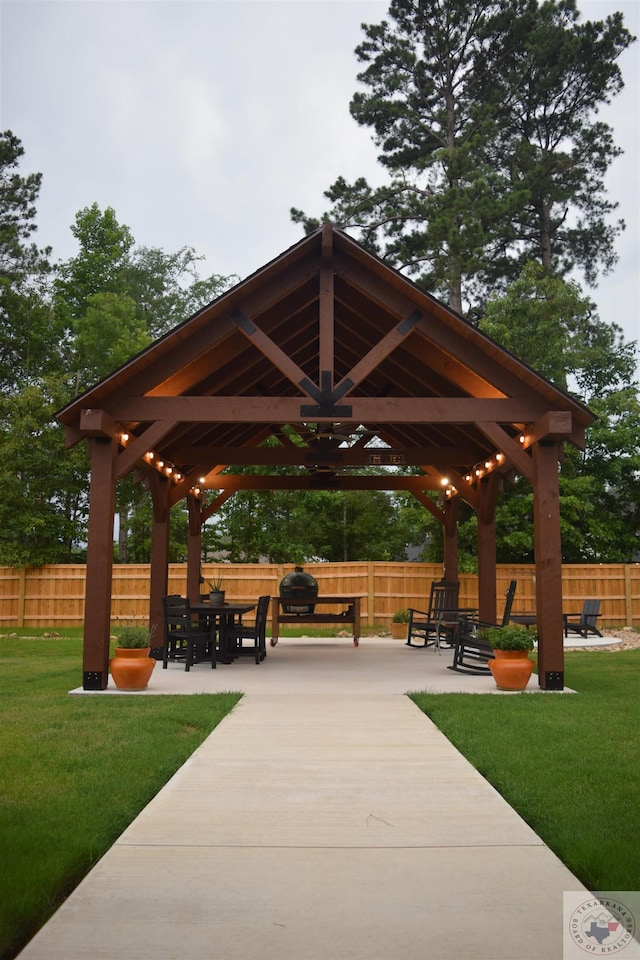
[{"x": 331, "y": 342}]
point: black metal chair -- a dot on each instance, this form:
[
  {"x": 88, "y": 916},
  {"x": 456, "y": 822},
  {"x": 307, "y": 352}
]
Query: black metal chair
[
  {"x": 255, "y": 632},
  {"x": 185, "y": 638},
  {"x": 471, "y": 654},
  {"x": 586, "y": 620},
  {"x": 431, "y": 625}
]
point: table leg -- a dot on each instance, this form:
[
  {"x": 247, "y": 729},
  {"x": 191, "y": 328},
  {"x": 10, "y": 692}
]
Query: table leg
[
  {"x": 356, "y": 621},
  {"x": 275, "y": 623}
]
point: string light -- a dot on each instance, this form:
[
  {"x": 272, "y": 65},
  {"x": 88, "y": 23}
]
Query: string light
[
  {"x": 163, "y": 466},
  {"x": 479, "y": 470}
]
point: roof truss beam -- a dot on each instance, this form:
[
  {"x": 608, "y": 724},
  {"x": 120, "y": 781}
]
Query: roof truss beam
[{"x": 236, "y": 409}]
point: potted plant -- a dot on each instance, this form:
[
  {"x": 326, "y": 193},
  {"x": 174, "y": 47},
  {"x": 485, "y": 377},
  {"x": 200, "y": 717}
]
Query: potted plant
[
  {"x": 131, "y": 667},
  {"x": 399, "y": 622},
  {"x": 511, "y": 667},
  {"x": 216, "y": 593}
]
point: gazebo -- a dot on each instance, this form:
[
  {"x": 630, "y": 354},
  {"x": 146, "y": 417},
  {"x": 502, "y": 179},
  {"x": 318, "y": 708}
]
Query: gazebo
[{"x": 322, "y": 349}]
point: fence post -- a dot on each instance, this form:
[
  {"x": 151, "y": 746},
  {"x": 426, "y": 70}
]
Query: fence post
[
  {"x": 22, "y": 591},
  {"x": 628, "y": 609}
]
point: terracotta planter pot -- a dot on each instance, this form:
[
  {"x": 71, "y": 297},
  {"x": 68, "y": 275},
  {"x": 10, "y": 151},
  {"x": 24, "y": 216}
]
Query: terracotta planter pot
[
  {"x": 131, "y": 668},
  {"x": 511, "y": 669},
  {"x": 399, "y": 630}
]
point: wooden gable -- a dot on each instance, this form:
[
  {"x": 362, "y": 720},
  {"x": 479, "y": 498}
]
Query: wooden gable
[{"x": 328, "y": 350}]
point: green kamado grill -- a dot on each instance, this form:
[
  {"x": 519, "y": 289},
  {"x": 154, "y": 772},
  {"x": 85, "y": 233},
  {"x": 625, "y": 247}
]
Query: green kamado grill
[{"x": 298, "y": 586}]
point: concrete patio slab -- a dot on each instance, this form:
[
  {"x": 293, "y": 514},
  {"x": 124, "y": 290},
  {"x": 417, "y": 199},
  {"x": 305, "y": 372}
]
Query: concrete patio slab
[{"x": 321, "y": 665}]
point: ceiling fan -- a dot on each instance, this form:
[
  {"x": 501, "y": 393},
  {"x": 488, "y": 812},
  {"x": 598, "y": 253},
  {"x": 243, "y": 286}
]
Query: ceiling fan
[{"x": 339, "y": 433}]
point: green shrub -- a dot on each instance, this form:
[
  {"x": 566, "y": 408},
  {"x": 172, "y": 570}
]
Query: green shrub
[
  {"x": 509, "y": 638},
  {"x": 133, "y": 638},
  {"x": 401, "y": 616}
]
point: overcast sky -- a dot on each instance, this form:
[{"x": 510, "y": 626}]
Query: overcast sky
[{"x": 201, "y": 122}]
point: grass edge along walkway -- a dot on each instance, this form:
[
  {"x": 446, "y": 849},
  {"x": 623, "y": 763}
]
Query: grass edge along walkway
[
  {"x": 75, "y": 772},
  {"x": 568, "y": 764}
]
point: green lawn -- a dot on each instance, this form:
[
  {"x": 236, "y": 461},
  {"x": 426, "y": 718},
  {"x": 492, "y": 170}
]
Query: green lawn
[
  {"x": 75, "y": 771},
  {"x": 570, "y": 765}
]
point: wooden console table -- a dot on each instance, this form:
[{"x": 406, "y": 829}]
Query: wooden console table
[{"x": 350, "y": 615}]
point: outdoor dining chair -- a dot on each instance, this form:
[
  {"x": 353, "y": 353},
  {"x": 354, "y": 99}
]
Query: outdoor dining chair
[
  {"x": 185, "y": 638},
  {"x": 255, "y": 633}
]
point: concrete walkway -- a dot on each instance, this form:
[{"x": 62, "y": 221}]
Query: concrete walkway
[{"x": 330, "y": 825}]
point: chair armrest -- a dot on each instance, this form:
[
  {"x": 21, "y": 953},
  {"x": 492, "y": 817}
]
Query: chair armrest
[{"x": 414, "y": 610}]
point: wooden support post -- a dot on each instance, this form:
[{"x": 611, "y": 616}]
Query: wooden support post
[
  {"x": 488, "y": 489},
  {"x": 159, "y": 573},
  {"x": 548, "y": 557},
  {"x": 97, "y": 609},
  {"x": 194, "y": 549},
  {"x": 451, "y": 511}
]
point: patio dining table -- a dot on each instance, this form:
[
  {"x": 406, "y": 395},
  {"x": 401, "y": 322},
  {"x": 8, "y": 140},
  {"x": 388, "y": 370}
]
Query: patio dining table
[{"x": 221, "y": 619}]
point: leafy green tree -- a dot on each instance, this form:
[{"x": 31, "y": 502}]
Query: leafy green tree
[
  {"x": 550, "y": 325},
  {"x": 552, "y": 148},
  {"x": 167, "y": 287},
  {"x": 427, "y": 70},
  {"x": 484, "y": 113},
  {"x": 18, "y": 196},
  {"x": 115, "y": 299},
  {"x": 108, "y": 334},
  {"x": 544, "y": 320},
  {"x": 43, "y": 489},
  {"x": 38, "y": 492},
  {"x": 331, "y": 525},
  {"x": 100, "y": 265},
  {"x": 28, "y": 341}
]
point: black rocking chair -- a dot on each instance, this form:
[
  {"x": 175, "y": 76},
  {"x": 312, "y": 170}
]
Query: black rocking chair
[
  {"x": 471, "y": 653},
  {"x": 433, "y": 624}
]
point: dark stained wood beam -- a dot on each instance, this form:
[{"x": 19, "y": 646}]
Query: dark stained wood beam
[
  {"x": 390, "y": 481},
  {"x": 548, "y": 551},
  {"x": 274, "y": 353},
  {"x": 176, "y": 371},
  {"x": 97, "y": 423},
  {"x": 378, "y": 353},
  {"x": 139, "y": 445},
  {"x": 326, "y": 331},
  {"x": 511, "y": 448},
  {"x": 355, "y": 456},
  {"x": 553, "y": 425},
  {"x": 463, "y": 348},
  {"x": 289, "y": 410},
  {"x": 465, "y": 490}
]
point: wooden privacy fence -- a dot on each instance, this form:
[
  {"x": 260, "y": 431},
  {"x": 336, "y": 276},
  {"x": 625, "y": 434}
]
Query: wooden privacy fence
[{"x": 54, "y": 595}]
